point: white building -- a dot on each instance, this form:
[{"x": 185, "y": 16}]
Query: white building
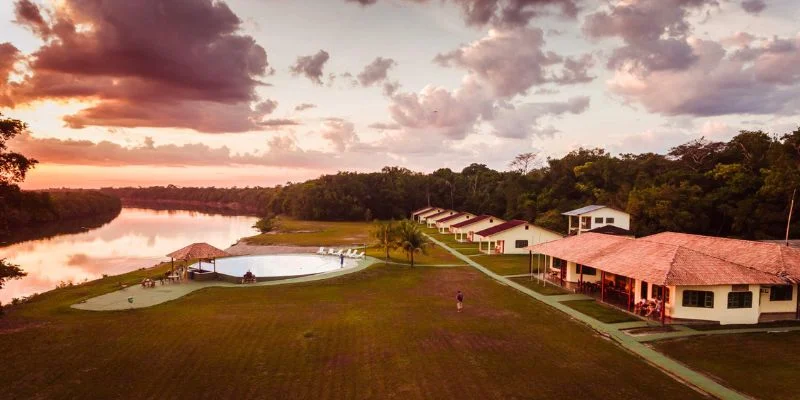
[
  {"x": 415, "y": 214},
  {"x": 430, "y": 220},
  {"x": 513, "y": 237},
  {"x": 700, "y": 278},
  {"x": 596, "y": 216},
  {"x": 464, "y": 231},
  {"x": 423, "y": 215},
  {"x": 443, "y": 224}
]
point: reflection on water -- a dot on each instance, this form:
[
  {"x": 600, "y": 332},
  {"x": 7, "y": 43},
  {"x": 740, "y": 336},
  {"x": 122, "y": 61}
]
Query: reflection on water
[{"x": 137, "y": 238}]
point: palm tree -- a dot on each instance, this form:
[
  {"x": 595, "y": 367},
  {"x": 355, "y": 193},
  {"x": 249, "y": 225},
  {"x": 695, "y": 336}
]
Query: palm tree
[
  {"x": 385, "y": 233},
  {"x": 411, "y": 239}
]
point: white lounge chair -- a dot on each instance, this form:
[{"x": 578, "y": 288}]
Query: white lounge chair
[
  {"x": 360, "y": 255},
  {"x": 321, "y": 250},
  {"x": 350, "y": 253},
  {"x": 331, "y": 251},
  {"x": 338, "y": 253}
]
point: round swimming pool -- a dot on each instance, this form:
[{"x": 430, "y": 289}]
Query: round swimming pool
[{"x": 278, "y": 265}]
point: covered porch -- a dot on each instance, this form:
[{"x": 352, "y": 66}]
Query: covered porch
[{"x": 493, "y": 246}]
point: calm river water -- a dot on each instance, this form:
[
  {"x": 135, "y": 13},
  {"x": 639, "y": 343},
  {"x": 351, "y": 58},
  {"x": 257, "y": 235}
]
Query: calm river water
[{"x": 136, "y": 238}]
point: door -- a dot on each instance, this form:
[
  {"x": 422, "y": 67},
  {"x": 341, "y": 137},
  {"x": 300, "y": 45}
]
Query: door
[
  {"x": 643, "y": 292},
  {"x": 501, "y": 244}
]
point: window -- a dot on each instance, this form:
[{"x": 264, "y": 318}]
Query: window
[
  {"x": 558, "y": 263},
  {"x": 740, "y": 300},
  {"x": 780, "y": 293},
  {"x": 520, "y": 244},
  {"x": 698, "y": 298},
  {"x": 526, "y": 227},
  {"x": 598, "y": 220},
  {"x": 586, "y": 222},
  {"x": 586, "y": 270},
  {"x": 610, "y": 220}
]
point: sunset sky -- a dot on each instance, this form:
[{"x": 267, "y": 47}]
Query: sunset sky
[{"x": 240, "y": 92}]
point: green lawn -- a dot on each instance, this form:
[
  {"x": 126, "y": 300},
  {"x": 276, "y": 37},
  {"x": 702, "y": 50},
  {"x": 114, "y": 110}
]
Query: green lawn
[
  {"x": 600, "y": 312},
  {"x": 386, "y": 332},
  {"x": 763, "y": 365},
  {"x": 507, "y": 264},
  {"x": 548, "y": 289},
  {"x": 435, "y": 255},
  {"x": 314, "y": 233}
]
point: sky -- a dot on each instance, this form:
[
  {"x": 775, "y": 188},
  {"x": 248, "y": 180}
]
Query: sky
[{"x": 258, "y": 93}]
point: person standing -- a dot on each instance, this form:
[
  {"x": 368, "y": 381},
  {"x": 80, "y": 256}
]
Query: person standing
[
  {"x": 459, "y": 301},
  {"x": 341, "y": 260}
]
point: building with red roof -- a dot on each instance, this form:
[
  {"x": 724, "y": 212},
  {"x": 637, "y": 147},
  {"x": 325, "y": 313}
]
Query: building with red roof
[
  {"x": 443, "y": 224},
  {"x": 512, "y": 237},
  {"x": 465, "y": 231},
  {"x": 431, "y": 219},
  {"x": 422, "y": 216},
  {"x": 705, "y": 278}
]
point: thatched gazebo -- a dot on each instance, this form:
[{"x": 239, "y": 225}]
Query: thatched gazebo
[{"x": 198, "y": 251}]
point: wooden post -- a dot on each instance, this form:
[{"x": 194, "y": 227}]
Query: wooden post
[
  {"x": 172, "y": 261},
  {"x": 563, "y": 272},
  {"x": 630, "y": 298},
  {"x": 603, "y": 286},
  {"x": 581, "y": 280},
  {"x": 663, "y": 308}
]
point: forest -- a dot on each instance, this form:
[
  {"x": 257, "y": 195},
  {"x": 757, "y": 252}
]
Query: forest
[
  {"x": 32, "y": 214},
  {"x": 740, "y": 188}
]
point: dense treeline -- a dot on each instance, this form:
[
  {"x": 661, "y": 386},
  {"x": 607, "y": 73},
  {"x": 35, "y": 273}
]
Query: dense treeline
[
  {"x": 31, "y": 214},
  {"x": 741, "y": 188},
  {"x": 242, "y": 200}
]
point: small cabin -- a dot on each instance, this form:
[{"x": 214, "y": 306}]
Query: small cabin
[
  {"x": 431, "y": 219},
  {"x": 422, "y": 216},
  {"x": 595, "y": 216},
  {"x": 513, "y": 237},
  {"x": 465, "y": 230},
  {"x": 444, "y": 224}
]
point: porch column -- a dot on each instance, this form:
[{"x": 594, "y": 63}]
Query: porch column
[
  {"x": 603, "y": 286},
  {"x": 530, "y": 263},
  {"x": 630, "y": 292},
  {"x": 581, "y": 279}
]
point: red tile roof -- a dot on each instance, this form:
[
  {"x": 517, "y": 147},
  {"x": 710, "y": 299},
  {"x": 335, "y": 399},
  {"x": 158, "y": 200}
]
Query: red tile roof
[
  {"x": 437, "y": 215},
  {"x": 472, "y": 221},
  {"x": 657, "y": 262},
  {"x": 421, "y": 210},
  {"x": 500, "y": 228},
  {"x": 454, "y": 216}
]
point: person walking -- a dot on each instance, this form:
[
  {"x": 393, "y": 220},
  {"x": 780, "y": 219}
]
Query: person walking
[{"x": 460, "y": 301}]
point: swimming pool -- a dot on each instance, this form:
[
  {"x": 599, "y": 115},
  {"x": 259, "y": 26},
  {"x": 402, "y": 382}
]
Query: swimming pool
[{"x": 274, "y": 266}]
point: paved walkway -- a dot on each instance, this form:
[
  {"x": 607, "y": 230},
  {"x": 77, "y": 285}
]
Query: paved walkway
[
  {"x": 142, "y": 297},
  {"x": 655, "y": 358}
]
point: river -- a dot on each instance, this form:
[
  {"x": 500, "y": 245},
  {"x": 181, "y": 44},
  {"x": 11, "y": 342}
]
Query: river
[{"x": 137, "y": 238}]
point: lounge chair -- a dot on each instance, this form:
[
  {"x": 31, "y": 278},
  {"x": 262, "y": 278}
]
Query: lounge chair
[
  {"x": 331, "y": 251},
  {"x": 338, "y": 253},
  {"x": 354, "y": 254},
  {"x": 349, "y": 253},
  {"x": 360, "y": 255},
  {"x": 321, "y": 250}
]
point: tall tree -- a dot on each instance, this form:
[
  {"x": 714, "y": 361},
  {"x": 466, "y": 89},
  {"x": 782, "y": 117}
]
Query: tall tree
[
  {"x": 385, "y": 235},
  {"x": 411, "y": 239},
  {"x": 9, "y": 271},
  {"x": 524, "y": 162},
  {"x": 13, "y": 166}
]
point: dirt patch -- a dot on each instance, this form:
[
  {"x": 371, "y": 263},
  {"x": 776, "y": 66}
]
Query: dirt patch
[{"x": 649, "y": 330}]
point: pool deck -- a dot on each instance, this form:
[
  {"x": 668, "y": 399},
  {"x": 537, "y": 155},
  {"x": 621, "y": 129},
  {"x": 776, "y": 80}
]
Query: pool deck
[{"x": 148, "y": 297}]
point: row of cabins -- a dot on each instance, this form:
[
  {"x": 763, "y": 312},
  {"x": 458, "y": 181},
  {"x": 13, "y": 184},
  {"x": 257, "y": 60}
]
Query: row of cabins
[
  {"x": 493, "y": 235},
  {"x": 698, "y": 278}
]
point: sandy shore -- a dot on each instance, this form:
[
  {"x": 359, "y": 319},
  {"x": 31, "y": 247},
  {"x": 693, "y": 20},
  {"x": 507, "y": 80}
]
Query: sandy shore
[{"x": 244, "y": 249}]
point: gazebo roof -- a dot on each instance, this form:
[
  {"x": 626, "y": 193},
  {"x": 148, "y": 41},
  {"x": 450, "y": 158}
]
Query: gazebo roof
[{"x": 197, "y": 250}]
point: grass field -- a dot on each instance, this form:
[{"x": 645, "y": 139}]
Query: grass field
[
  {"x": 385, "y": 332},
  {"x": 314, "y": 233},
  {"x": 535, "y": 284},
  {"x": 507, "y": 264},
  {"x": 600, "y": 312},
  {"x": 435, "y": 255},
  {"x": 763, "y": 365}
]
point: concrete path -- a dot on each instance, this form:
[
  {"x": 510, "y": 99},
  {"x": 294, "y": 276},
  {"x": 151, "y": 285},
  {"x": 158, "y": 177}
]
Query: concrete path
[
  {"x": 670, "y": 366},
  {"x": 142, "y": 297},
  {"x": 688, "y": 332}
]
